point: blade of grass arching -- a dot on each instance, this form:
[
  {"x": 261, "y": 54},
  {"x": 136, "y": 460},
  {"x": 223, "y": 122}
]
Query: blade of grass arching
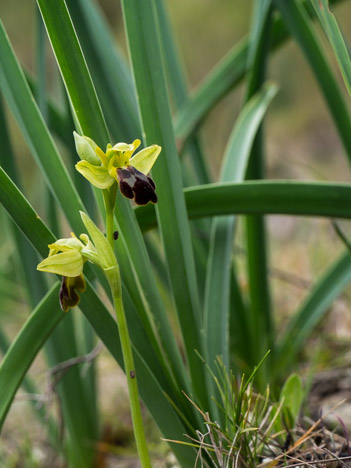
[
  {"x": 234, "y": 166},
  {"x": 62, "y": 32},
  {"x": 96, "y": 312},
  {"x": 328, "y": 199},
  {"x": 316, "y": 305},
  {"x": 146, "y": 57},
  {"x": 296, "y": 19},
  {"x": 260, "y": 314},
  {"x": 27, "y": 344},
  {"x": 178, "y": 87},
  {"x": 336, "y": 39},
  {"x": 218, "y": 82},
  {"x": 112, "y": 79}
]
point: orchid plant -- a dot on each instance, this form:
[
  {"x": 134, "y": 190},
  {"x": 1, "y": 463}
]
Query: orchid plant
[{"x": 106, "y": 171}]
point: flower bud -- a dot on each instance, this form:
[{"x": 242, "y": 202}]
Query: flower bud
[{"x": 86, "y": 147}]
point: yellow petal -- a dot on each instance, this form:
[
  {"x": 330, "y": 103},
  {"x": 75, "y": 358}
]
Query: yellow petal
[{"x": 145, "y": 159}]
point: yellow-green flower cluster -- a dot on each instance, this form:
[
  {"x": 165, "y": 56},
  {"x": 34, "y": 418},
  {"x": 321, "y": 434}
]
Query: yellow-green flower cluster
[{"x": 118, "y": 164}]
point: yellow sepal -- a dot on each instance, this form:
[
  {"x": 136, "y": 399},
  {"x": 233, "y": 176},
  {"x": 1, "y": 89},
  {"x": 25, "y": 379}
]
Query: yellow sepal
[
  {"x": 96, "y": 175},
  {"x": 69, "y": 263}
]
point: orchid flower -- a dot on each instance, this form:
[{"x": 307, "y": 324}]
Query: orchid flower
[{"x": 119, "y": 165}]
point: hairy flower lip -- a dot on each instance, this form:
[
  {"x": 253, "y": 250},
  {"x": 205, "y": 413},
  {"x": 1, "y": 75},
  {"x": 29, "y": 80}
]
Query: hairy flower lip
[{"x": 136, "y": 185}]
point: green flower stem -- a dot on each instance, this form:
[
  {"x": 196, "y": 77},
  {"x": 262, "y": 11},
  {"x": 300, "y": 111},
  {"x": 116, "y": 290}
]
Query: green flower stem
[
  {"x": 132, "y": 381},
  {"x": 109, "y": 226},
  {"x": 109, "y": 198}
]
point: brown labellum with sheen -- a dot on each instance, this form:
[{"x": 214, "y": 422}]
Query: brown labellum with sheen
[
  {"x": 135, "y": 185},
  {"x": 70, "y": 287}
]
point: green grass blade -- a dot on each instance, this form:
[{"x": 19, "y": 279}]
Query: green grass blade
[
  {"x": 328, "y": 199},
  {"x": 336, "y": 39},
  {"x": 297, "y": 21},
  {"x": 242, "y": 354},
  {"x": 80, "y": 91},
  {"x": 146, "y": 57},
  {"x": 109, "y": 72},
  {"x": 56, "y": 118},
  {"x": 316, "y": 305},
  {"x": 23, "y": 214},
  {"x": 20, "y": 100},
  {"x": 216, "y": 311},
  {"x": 179, "y": 89},
  {"x": 260, "y": 315},
  {"x": 27, "y": 344},
  {"x": 35, "y": 285}
]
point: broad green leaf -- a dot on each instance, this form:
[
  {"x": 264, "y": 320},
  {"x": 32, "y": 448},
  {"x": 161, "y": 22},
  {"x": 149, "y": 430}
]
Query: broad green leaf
[
  {"x": 336, "y": 39},
  {"x": 329, "y": 199}
]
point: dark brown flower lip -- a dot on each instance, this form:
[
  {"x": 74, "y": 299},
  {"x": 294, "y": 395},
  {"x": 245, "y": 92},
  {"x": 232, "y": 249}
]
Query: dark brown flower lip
[
  {"x": 70, "y": 287},
  {"x": 135, "y": 185}
]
